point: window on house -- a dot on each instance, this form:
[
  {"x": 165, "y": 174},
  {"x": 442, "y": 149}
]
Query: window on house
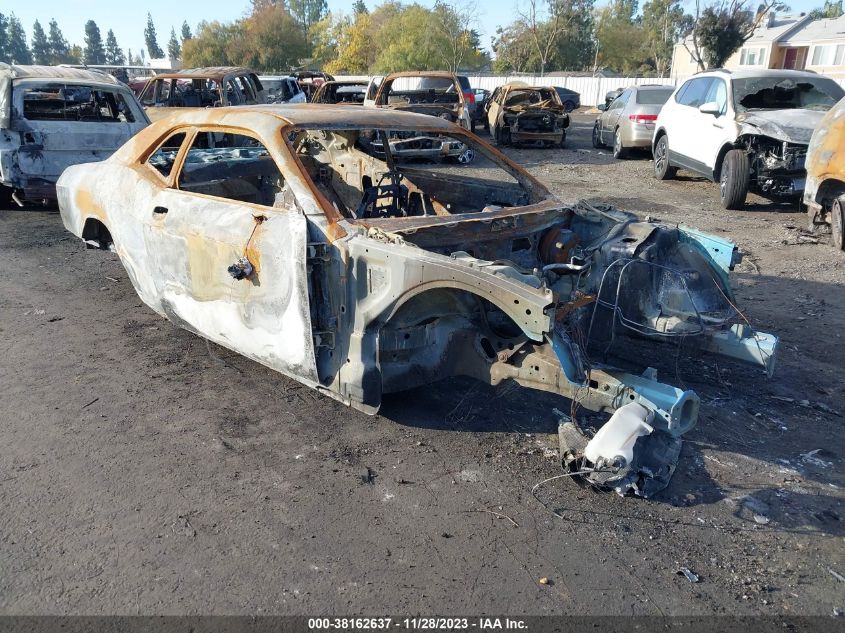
[
  {"x": 752, "y": 56},
  {"x": 830, "y": 55}
]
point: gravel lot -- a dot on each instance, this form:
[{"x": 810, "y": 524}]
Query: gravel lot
[{"x": 146, "y": 471}]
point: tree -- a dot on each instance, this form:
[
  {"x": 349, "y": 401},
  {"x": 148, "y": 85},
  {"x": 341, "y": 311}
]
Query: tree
[
  {"x": 307, "y": 12},
  {"x": 453, "y": 20},
  {"x": 355, "y": 49},
  {"x": 544, "y": 32},
  {"x": 59, "y": 48},
  {"x": 621, "y": 39},
  {"x": 208, "y": 46},
  {"x": 514, "y": 48},
  {"x": 831, "y": 9},
  {"x": 74, "y": 54},
  {"x": 114, "y": 54},
  {"x": 720, "y": 29},
  {"x": 150, "y": 39},
  {"x": 94, "y": 52},
  {"x": 40, "y": 45},
  {"x": 4, "y": 38},
  {"x": 17, "y": 51},
  {"x": 174, "y": 50},
  {"x": 665, "y": 23},
  {"x": 359, "y": 7},
  {"x": 186, "y": 32}
]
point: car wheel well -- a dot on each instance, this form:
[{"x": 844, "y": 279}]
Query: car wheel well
[
  {"x": 720, "y": 158},
  {"x": 97, "y": 235},
  {"x": 829, "y": 190},
  {"x": 660, "y": 134}
]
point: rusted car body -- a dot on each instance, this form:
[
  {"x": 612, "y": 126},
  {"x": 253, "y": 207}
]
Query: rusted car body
[
  {"x": 824, "y": 193},
  {"x": 302, "y": 245},
  {"x": 435, "y": 93},
  {"x": 518, "y": 113},
  {"x": 341, "y": 92},
  {"x": 212, "y": 87},
  {"x": 52, "y": 117}
]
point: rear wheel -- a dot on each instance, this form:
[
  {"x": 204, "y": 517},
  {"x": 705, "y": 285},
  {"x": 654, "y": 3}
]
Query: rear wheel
[
  {"x": 734, "y": 179},
  {"x": 563, "y": 139},
  {"x": 619, "y": 150},
  {"x": 6, "y": 197},
  {"x": 597, "y": 137},
  {"x": 662, "y": 169},
  {"x": 837, "y": 223},
  {"x": 503, "y": 136}
]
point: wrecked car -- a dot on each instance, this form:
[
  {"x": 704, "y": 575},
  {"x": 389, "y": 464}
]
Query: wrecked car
[
  {"x": 281, "y": 233},
  {"x": 343, "y": 92},
  {"x": 519, "y": 113},
  {"x": 824, "y": 193},
  {"x": 52, "y": 117},
  {"x": 282, "y": 89},
  {"x": 214, "y": 87},
  {"x": 435, "y": 93},
  {"x": 310, "y": 80},
  {"x": 747, "y": 130}
]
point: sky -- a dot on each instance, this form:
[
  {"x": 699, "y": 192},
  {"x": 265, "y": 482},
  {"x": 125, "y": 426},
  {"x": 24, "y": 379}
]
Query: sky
[{"x": 128, "y": 19}]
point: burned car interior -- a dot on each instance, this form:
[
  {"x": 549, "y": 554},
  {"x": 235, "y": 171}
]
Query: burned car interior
[
  {"x": 75, "y": 102},
  {"x": 364, "y": 177}
]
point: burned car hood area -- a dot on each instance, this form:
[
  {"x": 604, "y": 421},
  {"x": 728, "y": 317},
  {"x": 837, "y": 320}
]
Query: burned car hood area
[
  {"x": 792, "y": 126},
  {"x": 360, "y": 273}
]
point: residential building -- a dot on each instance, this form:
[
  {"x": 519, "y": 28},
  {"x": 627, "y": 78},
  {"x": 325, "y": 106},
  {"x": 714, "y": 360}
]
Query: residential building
[{"x": 796, "y": 42}]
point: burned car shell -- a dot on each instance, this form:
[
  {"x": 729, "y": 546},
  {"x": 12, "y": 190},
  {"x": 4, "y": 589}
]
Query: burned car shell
[
  {"x": 37, "y": 142},
  {"x": 361, "y": 306},
  {"x": 455, "y": 109},
  {"x": 341, "y": 92},
  {"x": 541, "y": 117},
  {"x": 825, "y": 164},
  {"x": 224, "y": 86}
]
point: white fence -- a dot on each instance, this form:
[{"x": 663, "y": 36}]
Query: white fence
[{"x": 591, "y": 89}]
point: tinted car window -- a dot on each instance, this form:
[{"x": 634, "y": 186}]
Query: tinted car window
[
  {"x": 693, "y": 95},
  {"x": 654, "y": 97}
]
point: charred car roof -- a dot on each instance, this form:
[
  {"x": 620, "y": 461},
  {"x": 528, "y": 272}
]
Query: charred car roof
[{"x": 210, "y": 72}]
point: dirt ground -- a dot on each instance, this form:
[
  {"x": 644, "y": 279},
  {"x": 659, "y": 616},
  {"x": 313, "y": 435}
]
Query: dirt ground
[{"x": 146, "y": 471}]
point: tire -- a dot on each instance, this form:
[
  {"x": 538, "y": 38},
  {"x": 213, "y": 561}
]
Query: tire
[
  {"x": 837, "y": 223},
  {"x": 596, "y": 138},
  {"x": 6, "y": 201},
  {"x": 562, "y": 143},
  {"x": 734, "y": 179},
  {"x": 472, "y": 126},
  {"x": 503, "y": 136},
  {"x": 662, "y": 169},
  {"x": 568, "y": 106},
  {"x": 619, "y": 150}
]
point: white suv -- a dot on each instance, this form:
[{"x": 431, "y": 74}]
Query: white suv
[{"x": 746, "y": 130}]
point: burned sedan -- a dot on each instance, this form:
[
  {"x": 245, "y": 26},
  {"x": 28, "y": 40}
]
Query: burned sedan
[
  {"x": 52, "y": 117},
  {"x": 281, "y": 233},
  {"x": 519, "y": 113},
  {"x": 824, "y": 194}
]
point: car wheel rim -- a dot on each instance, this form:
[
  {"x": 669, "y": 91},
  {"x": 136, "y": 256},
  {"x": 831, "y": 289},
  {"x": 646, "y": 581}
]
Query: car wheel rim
[
  {"x": 723, "y": 184},
  {"x": 660, "y": 156},
  {"x": 836, "y": 223},
  {"x": 617, "y": 144},
  {"x": 466, "y": 156}
]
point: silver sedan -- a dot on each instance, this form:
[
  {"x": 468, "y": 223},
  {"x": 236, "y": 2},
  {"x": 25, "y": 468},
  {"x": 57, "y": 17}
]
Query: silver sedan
[{"x": 628, "y": 121}]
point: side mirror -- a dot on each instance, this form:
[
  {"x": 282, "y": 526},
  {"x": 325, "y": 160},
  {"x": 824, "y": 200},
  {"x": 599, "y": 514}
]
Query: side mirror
[
  {"x": 711, "y": 107},
  {"x": 602, "y": 107}
]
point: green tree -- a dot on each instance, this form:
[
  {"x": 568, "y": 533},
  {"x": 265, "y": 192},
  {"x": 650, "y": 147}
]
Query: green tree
[
  {"x": 17, "y": 50},
  {"x": 209, "y": 46},
  {"x": 75, "y": 54},
  {"x": 621, "y": 38},
  {"x": 114, "y": 54},
  {"x": 458, "y": 43},
  {"x": 665, "y": 23},
  {"x": 174, "y": 50},
  {"x": 186, "y": 31},
  {"x": 355, "y": 49},
  {"x": 94, "y": 52},
  {"x": 720, "y": 29},
  {"x": 59, "y": 48},
  {"x": 831, "y": 9},
  {"x": 359, "y": 7},
  {"x": 307, "y": 12},
  {"x": 576, "y": 46},
  {"x": 4, "y": 38},
  {"x": 151, "y": 40},
  {"x": 40, "y": 45}
]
